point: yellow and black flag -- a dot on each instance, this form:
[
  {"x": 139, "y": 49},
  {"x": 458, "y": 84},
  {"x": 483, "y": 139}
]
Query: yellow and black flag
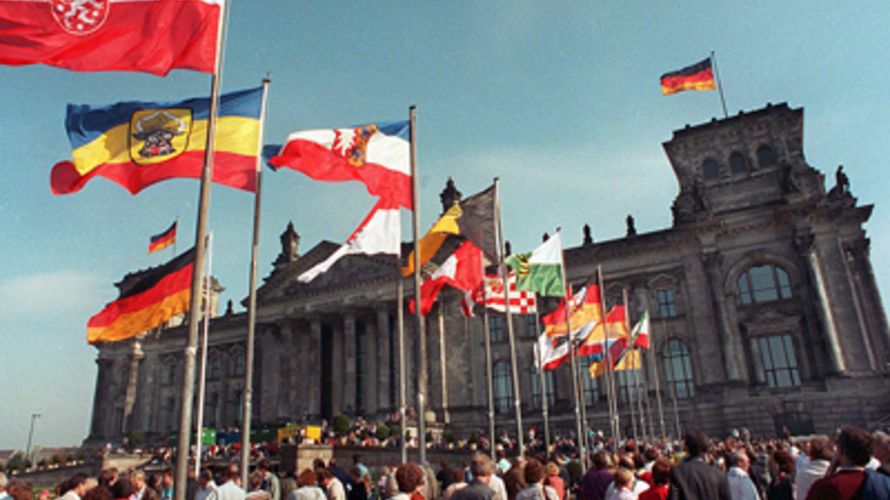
[
  {"x": 471, "y": 219},
  {"x": 147, "y": 299},
  {"x": 699, "y": 76}
]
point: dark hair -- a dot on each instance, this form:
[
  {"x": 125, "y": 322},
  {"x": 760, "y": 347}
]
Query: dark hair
[
  {"x": 481, "y": 465},
  {"x": 534, "y": 471},
  {"x": 600, "y": 460},
  {"x": 785, "y": 461},
  {"x": 356, "y": 458},
  {"x": 820, "y": 449},
  {"x": 265, "y": 464},
  {"x": 661, "y": 472},
  {"x": 21, "y": 490},
  {"x": 651, "y": 454},
  {"x": 409, "y": 476},
  {"x": 122, "y": 489},
  {"x": 107, "y": 477},
  {"x": 318, "y": 464},
  {"x": 696, "y": 442},
  {"x": 72, "y": 482},
  {"x": 855, "y": 444},
  {"x": 98, "y": 493}
]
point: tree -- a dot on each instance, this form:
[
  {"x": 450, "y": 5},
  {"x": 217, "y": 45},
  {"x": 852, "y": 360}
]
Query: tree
[{"x": 341, "y": 423}]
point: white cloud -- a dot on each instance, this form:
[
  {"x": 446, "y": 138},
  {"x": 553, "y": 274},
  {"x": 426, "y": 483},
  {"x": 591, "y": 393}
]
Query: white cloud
[{"x": 54, "y": 293}]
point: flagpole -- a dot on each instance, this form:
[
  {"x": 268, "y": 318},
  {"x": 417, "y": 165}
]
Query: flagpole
[
  {"x": 443, "y": 372},
  {"x": 631, "y": 398},
  {"x": 545, "y": 404},
  {"x": 247, "y": 411},
  {"x": 569, "y": 307},
  {"x": 511, "y": 337},
  {"x": 719, "y": 85},
  {"x": 403, "y": 383},
  {"x": 656, "y": 377},
  {"x": 486, "y": 331},
  {"x": 422, "y": 375},
  {"x": 614, "y": 427},
  {"x": 202, "y": 368},
  {"x": 188, "y": 365}
]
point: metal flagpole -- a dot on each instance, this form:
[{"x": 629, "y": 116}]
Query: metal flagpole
[
  {"x": 545, "y": 404},
  {"x": 422, "y": 375},
  {"x": 443, "y": 371},
  {"x": 486, "y": 330},
  {"x": 202, "y": 368},
  {"x": 247, "y": 411},
  {"x": 719, "y": 85},
  {"x": 188, "y": 365},
  {"x": 614, "y": 426},
  {"x": 403, "y": 383},
  {"x": 573, "y": 363},
  {"x": 511, "y": 337},
  {"x": 631, "y": 397},
  {"x": 656, "y": 377}
]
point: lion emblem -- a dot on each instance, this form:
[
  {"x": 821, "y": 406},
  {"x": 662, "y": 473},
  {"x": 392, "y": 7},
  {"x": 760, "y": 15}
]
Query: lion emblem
[
  {"x": 353, "y": 144},
  {"x": 157, "y": 135},
  {"x": 80, "y": 17}
]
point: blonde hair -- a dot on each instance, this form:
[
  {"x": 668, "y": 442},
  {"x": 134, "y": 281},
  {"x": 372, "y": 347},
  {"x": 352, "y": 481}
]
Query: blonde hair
[{"x": 623, "y": 477}]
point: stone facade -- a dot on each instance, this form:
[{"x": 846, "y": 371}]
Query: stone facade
[{"x": 765, "y": 312}]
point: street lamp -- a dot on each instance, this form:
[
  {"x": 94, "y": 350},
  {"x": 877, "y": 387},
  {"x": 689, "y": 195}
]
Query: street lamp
[{"x": 34, "y": 416}]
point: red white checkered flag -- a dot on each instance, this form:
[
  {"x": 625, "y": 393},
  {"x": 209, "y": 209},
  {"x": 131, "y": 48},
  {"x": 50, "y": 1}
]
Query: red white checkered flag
[{"x": 521, "y": 302}]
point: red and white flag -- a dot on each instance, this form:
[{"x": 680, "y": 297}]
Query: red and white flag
[
  {"x": 521, "y": 302},
  {"x": 153, "y": 36},
  {"x": 462, "y": 270},
  {"x": 550, "y": 352}
]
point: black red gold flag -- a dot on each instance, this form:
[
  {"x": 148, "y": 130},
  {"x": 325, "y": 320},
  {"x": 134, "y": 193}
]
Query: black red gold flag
[
  {"x": 163, "y": 240},
  {"x": 699, "y": 76},
  {"x": 147, "y": 299}
]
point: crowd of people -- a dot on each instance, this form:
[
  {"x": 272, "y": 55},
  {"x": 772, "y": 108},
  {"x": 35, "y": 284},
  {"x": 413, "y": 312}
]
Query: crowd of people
[{"x": 854, "y": 464}]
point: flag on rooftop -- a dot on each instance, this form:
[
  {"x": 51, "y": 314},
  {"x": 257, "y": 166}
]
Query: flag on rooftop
[
  {"x": 137, "y": 144},
  {"x": 163, "y": 240},
  {"x": 699, "y": 76},
  {"x": 153, "y": 36},
  {"x": 147, "y": 299},
  {"x": 376, "y": 154},
  {"x": 540, "y": 271}
]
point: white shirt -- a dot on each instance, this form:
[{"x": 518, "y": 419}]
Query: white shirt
[
  {"x": 209, "y": 492},
  {"x": 336, "y": 491},
  {"x": 812, "y": 471},
  {"x": 638, "y": 487},
  {"x": 230, "y": 491},
  {"x": 500, "y": 489},
  {"x": 740, "y": 485}
]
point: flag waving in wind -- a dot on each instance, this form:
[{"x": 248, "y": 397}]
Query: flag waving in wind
[
  {"x": 699, "y": 76},
  {"x": 153, "y": 36},
  {"x": 462, "y": 270},
  {"x": 541, "y": 271},
  {"x": 163, "y": 240}
]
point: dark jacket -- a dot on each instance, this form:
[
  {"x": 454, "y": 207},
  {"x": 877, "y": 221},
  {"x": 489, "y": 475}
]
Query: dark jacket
[
  {"x": 477, "y": 490},
  {"x": 695, "y": 479}
]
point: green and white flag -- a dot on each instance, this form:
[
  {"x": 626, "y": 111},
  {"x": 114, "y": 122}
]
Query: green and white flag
[{"x": 540, "y": 271}]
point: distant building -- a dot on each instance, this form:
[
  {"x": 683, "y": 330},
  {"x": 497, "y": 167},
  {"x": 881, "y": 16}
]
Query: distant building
[{"x": 766, "y": 315}]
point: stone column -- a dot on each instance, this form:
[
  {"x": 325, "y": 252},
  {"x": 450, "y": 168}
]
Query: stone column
[
  {"x": 855, "y": 295},
  {"x": 101, "y": 404},
  {"x": 808, "y": 249},
  {"x": 384, "y": 348},
  {"x": 872, "y": 306},
  {"x": 348, "y": 365},
  {"x": 713, "y": 262},
  {"x": 371, "y": 387},
  {"x": 136, "y": 356},
  {"x": 313, "y": 385},
  {"x": 287, "y": 389}
]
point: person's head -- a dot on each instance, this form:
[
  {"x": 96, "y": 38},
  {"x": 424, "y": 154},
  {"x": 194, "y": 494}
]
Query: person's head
[
  {"x": 78, "y": 483},
  {"x": 324, "y": 477},
  {"x": 552, "y": 469},
  {"x": 256, "y": 480},
  {"x": 624, "y": 478},
  {"x": 881, "y": 448},
  {"x": 534, "y": 471},
  {"x": 785, "y": 462},
  {"x": 854, "y": 446},
  {"x": 820, "y": 449},
  {"x": 356, "y": 459},
  {"x": 265, "y": 465},
  {"x": 739, "y": 459},
  {"x": 233, "y": 473},
  {"x": 137, "y": 480},
  {"x": 482, "y": 467},
  {"x": 651, "y": 454},
  {"x": 410, "y": 477},
  {"x": 21, "y": 490},
  {"x": 307, "y": 478},
  {"x": 108, "y": 477},
  {"x": 122, "y": 489},
  {"x": 661, "y": 472},
  {"x": 167, "y": 478},
  {"x": 205, "y": 477},
  {"x": 696, "y": 442},
  {"x": 601, "y": 460},
  {"x": 97, "y": 494}
]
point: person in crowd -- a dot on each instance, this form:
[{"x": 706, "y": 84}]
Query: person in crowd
[
  {"x": 554, "y": 480},
  {"x": 231, "y": 488},
  {"x": 340, "y": 474},
  {"x": 597, "y": 479},
  {"x": 636, "y": 486},
  {"x": 622, "y": 485},
  {"x": 661, "y": 478},
  {"x": 332, "y": 485},
  {"x": 255, "y": 489},
  {"x": 503, "y": 464},
  {"x": 107, "y": 477},
  {"x": 782, "y": 485},
  {"x": 483, "y": 470},
  {"x": 410, "y": 479},
  {"x": 740, "y": 485},
  {"x": 882, "y": 452},
  {"x": 122, "y": 489},
  {"x": 359, "y": 489},
  {"x": 364, "y": 473},
  {"x": 445, "y": 475},
  {"x": 457, "y": 482},
  {"x": 514, "y": 478},
  {"x": 141, "y": 490},
  {"x": 271, "y": 484},
  {"x": 695, "y": 478},
  {"x": 288, "y": 484},
  {"x": 650, "y": 456},
  {"x": 153, "y": 481},
  {"x": 207, "y": 489},
  {"x": 23, "y": 490},
  {"x": 4, "y": 482},
  {"x": 854, "y": 447},
  {"x": 75, "y": 487},
  {"x": 534, "y": 474},
  {"x": 819, "y": 456},
  {"x": 167, "y": 484},
  {"x": 307, "y": 487}
]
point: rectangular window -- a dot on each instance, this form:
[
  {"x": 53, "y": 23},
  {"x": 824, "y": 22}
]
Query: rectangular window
[
  {"x": 531, "y": 326},
  {"x": 496, "y": 328},
  {"x": 779, "y": 361},
  {"x": 667, "y": 305}
]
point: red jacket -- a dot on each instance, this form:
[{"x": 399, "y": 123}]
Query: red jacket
[{"x": 842, "y": 485}]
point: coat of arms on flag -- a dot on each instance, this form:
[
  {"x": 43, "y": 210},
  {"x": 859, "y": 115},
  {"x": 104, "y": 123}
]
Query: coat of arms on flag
[
  {"x": 156, "y": 135},
  {"x": 493, "y": 296}
]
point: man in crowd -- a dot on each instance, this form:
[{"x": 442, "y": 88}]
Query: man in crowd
[
  {"x": 853, "y": 453},
  {"x": 167, "y": 484},
  {"x": 207, "y": 488},
  {"x": 596, "y": 481},
  {"x": 814, "y": 466},
  {"x": 141, "y": 491},
  {"x": 231, "y": 489},
  {"x": 75, "y": 487},
  {"x": 271, "y": 484},
  {"x": 478, "y": 489},
  {"x": 740, "y": 485},
  {"x": 695, "y": 478}
]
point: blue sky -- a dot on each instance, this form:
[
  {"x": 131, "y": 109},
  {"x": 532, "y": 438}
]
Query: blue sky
[{"x": 559, "y": 99}]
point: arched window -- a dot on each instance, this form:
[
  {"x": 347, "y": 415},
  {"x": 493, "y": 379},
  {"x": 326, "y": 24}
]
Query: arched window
[
  {"x": 677, "y": 369},
  {"x": 503, "y": 387},
  {"x": 591, "y": 385},
  {"x": 764, "y": 283},
  {"x": 535, "y": 379},
  {"x": 766, "y": 157},
  {"x": 737, "y": 163},
  {"x": 238, "y": 364},
  {"x": 236, "y": 405},
  {"x": 710, "y": 169}
]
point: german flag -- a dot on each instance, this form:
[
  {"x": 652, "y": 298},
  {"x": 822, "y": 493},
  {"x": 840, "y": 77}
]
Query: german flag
[
  {"x": 162, "y": 240},
  {"x": 699, "y": 76},
  {"x": 147, "y": 299}
]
